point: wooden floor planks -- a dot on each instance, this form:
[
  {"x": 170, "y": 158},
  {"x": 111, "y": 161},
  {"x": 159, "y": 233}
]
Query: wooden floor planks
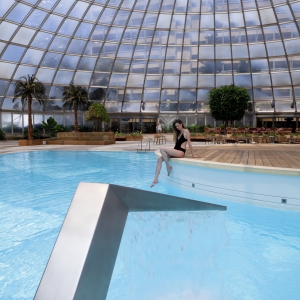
[{"x": 279, "y": 156}]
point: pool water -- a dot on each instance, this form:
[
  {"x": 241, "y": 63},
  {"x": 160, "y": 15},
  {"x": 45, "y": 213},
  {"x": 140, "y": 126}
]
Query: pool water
[{"x": 247, "y": 252}]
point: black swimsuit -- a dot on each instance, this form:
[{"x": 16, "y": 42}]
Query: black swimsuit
[{"x": 179, "y": 142}]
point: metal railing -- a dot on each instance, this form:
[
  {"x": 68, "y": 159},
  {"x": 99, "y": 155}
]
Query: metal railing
[{"x": 146, "y": 146}]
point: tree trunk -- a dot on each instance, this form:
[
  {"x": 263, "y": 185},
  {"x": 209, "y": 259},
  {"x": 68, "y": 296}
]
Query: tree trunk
[
  {"x": 75, "y": 118},
  {"x": 98, "y": 125},
  {"x": 30, "y": 128}
]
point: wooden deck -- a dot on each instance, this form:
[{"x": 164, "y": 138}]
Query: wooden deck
[
  {"x": 273, "y": 155},
  {"x": 269, "y": 155}
]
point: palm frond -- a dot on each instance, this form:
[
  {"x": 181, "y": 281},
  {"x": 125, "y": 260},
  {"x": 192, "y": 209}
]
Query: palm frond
[
  {"x": 29, "y": 86},
  {"x": 74, "y": 95}
]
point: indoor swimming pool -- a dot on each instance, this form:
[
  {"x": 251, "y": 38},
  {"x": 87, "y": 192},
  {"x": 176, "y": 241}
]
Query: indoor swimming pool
[{"x": 247, "y": 252}]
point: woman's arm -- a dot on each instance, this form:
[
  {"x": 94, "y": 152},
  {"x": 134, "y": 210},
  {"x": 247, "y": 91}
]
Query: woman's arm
[{"x": 188, "y": 137}]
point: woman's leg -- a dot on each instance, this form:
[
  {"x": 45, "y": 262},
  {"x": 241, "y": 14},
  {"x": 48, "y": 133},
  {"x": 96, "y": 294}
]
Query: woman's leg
[
  {"x": 165, "y": 154},
  {"x": 157, "y": 171},
  {"x": 169, "y": 152},
  {"x": 172, "y": 152},
  {"x": 165, "y": 157}
]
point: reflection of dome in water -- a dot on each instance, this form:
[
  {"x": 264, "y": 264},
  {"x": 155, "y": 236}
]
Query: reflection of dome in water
[{"x": 166, "y": 53}]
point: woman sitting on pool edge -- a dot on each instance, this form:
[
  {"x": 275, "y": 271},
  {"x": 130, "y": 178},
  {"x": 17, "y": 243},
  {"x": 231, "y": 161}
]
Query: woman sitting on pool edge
[{"x": 181, "y": 137}]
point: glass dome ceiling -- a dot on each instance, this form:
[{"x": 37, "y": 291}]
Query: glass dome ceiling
[{"x": 167, "y": 53}]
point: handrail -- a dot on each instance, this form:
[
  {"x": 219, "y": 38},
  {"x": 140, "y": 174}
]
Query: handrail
[
  {"x": 140, "y": 143},
  {"x": 147, "y": 145}
]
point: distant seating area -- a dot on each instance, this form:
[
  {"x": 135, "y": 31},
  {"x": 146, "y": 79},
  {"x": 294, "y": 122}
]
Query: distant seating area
[
  {"x": 264, "y": 135},
  {"x": 159, "y": 139}
]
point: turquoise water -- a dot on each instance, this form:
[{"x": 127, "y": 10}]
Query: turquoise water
[{"x": 247, "y": 252}]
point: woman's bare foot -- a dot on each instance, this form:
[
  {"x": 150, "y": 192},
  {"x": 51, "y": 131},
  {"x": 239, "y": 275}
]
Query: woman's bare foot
[
  {"x": 169, "y": 169},
  {"x": 153, "y": 183}
]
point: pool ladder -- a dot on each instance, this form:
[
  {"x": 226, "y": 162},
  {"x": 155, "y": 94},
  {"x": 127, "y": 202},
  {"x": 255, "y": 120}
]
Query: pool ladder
[{"x": 146, "y": 146}]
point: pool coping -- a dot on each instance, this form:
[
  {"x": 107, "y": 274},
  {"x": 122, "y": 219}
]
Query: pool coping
[
  {"x": 10, "y": 147},
  {"x": 234, "y": 167}
]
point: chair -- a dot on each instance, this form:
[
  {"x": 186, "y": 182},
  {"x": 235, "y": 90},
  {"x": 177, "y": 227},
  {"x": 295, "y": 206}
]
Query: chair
[
  {"x": 240, "y": 139},
  {"x": 282, "y": 139},
  {"x": 296, "y": 139},
  {"x": 230, "y": 139},
  {"x": 255, "y": 139},
  {"x": 291, "y": 138},
  {"x": 155, "y": 138},
  {"x": 209, "y": 139},
  {"x": 266, "y": 139},
  {"x": 159, "y": 139},
  {"x": 163, "y": 139},
  {"x": 219, "y": 139}
]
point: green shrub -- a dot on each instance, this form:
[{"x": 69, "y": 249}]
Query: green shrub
[
  {"x": 86, "y": 128},
  {"x": 201, "y": 128},
  {"x": 137, "y": 133},
  {"x": 50, "y": 126},
  {"x": 36, "y": 134},
  {"x": 62, "y": 128},
  {"x": 120, "y": 133},
  {"x": 2, "y": 135},
  {"x": 193, "y": 128},
  {"x": 167, "y": 128}
]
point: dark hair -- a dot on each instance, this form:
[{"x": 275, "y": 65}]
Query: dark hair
[{"x": 175, "y": 130}]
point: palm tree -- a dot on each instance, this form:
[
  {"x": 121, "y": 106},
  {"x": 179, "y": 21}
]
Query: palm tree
[
  {"x": 28, "y": 88},
  {"x": 75, "y": 96}
]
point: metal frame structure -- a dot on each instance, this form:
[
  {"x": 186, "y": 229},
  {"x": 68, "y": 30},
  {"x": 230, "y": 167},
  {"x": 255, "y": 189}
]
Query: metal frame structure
[{"x": 152, "y": 57}]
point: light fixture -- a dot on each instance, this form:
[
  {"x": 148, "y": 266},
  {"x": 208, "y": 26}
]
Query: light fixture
[{"x": 293, "y": 103}]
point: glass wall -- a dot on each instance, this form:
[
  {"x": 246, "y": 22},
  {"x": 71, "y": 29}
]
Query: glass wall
[{"x": 165, "y": 54}]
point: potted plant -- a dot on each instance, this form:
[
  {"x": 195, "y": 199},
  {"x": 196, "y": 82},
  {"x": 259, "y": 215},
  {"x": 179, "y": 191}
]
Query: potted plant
[
  {"x": 120, "y": 136},
  {"x": 137, "y": 136}
]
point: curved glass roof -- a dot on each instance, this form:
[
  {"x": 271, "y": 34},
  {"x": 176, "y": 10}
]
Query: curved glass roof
[{"x": 167, "y": 53}]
